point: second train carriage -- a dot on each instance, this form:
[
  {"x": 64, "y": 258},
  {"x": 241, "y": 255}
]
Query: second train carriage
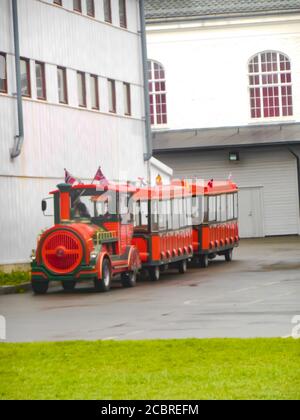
[{"x": 163, "y": 228}]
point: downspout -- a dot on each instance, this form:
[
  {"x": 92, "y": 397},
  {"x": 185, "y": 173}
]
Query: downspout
[
  {"x": 297, "y": 157},
  {"x": 16, "y": 150},
  {"x": 149, "y": 151}
]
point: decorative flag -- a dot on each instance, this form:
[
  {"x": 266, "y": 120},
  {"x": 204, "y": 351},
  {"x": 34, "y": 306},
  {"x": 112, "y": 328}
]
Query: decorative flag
[
  {"x": 158, "y": 180},
  {"x": 69, "y": 178},
  {"x": 142, "y": 182},
  {"x": 100, "y": 177},
  {"x": 211, "y": 183}
]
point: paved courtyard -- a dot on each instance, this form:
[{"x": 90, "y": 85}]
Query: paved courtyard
[{"x": 257, "y": 295}]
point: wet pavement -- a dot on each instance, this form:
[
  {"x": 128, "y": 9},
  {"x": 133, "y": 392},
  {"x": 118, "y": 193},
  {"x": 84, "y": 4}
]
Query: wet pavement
[{"x": 257, "y": 295}]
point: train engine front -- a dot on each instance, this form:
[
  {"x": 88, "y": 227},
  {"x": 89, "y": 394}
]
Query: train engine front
[{"x": 86, "y": 242}]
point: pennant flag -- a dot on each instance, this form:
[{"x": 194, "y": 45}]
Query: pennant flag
[
  {"x": 69, "y": 179},
  {"x": 142, "y": 182},
  {"x": 211, "y": 183},
  {"x": 100, "y": 177}
]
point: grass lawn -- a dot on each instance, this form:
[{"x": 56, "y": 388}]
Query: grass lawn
[
  {"x": 15, "y": 278},
  {"x": 163, "y": 369}
]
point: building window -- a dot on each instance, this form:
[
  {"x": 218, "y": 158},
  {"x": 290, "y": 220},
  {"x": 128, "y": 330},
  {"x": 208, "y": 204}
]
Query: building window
[
  {"x": 158, "y": 94},
  {"x": 107, "y": 11},
  {"x": 122, "y": 12},
  {"x": 25, "y": 77},
  {"x": 3, "y": 73},
  {"x": 270, "y": 81},
  {"x": 40, "y": 81},
  {"x": 81, "y": 89},
  {"x": 112, "y": 96},
  {"x": 62, "y": 85},
  {"x": 77, "y": 6},
  {"x": 94, "y": 92},
  {"x": 57, "y": 2},
  {"x": 90, "y": 8},
  {"x": 127, "y": 98}
]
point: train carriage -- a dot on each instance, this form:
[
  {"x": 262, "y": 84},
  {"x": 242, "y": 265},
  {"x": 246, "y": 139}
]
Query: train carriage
[
  {"x": 163, "y": 228},
  {"x": 215, "y": 220}
]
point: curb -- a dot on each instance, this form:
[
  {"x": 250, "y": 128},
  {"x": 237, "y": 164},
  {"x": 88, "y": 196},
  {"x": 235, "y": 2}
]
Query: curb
[{"x": 20, "y": 288}]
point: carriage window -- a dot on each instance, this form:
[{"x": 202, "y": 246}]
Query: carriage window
[
  {"x": 212, "y": 209},
  {"x": 205, "y": 216},
  {"x": 230, "y": 206},
  {"x": 198, "y": 210},
  {"x": 182, "y": 216},
  {"x": 223, "y": 208},
  {"x": 154, "y": 216},
  {"x": 175, "y": 213},
  {"x": 169, "y": 215},
  {"x": 188, "y": 208},
  {"x": 219, "y": 209},
  {"x": 141, "y": 215},
  {"x": 162, "y": 215},
  {"x": 236, "y": 206}
]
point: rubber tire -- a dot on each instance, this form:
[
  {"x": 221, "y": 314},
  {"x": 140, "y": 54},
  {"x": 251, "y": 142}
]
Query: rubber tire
[
  {"x": 154, "y": 273},
  {"x": 40, "y": 287},
  {"x": 68, "y": 286},
  {"x": 204, "y": 261},
  {"x": 229, "y": 255},
  {"x": 102, "y": 285},
  {"x": 129, "y": 279},
  {"x": 182, "y": 267}
]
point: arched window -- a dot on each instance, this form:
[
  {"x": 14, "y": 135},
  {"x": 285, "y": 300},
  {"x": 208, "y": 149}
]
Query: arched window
[
  {"x": 157, "y": 91},
  {"x": 270, "y": 81}
]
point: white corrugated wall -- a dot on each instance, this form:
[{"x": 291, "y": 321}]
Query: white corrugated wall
[{"x": 274, "y": 169}]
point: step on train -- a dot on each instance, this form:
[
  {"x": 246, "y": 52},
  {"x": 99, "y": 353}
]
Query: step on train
[{"x": 116, "y": 231}]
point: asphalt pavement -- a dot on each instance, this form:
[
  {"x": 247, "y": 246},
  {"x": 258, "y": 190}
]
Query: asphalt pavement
[{"x": 257, "y": 295}]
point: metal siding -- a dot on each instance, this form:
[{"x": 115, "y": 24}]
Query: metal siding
[{"x": 275, "y": 170}]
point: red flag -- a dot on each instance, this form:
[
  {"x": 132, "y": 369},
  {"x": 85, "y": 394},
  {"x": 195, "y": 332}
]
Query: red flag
[
  {"x": 69, "y": 179},
  {"x": 100, "y": 177},
  {"x": 211, "y": 183}
]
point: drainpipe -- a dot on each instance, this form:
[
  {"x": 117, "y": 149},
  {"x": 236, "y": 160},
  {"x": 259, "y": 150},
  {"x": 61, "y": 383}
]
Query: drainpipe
[
  {"x": 148, "y": 154},
  {"x": 16, "y": 150},
  {"x": 297, "y": 157}
]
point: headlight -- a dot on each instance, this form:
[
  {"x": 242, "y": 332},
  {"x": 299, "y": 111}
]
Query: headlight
[
  {"x": 93, "y": 255},
  {"x": 33, "y": 255}
]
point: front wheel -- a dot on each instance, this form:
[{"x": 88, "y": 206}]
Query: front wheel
[
  {"x": 229, "y": 255},
  {"x": 154, "y": 273},
  {"x": 182, "y": 267},
  {"x": 103, "y": 285},
  {"x": 40, "y": 287},
  {"x": 129, "y": 279},
  {"x": 68, "y": 286}
]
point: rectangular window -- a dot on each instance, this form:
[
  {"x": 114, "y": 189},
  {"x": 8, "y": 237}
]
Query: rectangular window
[
  {"x": 40, "y": 81},
  {"x": 25, "y": 77},
  {"x": 154, "y": 216},
  {"x": 90, "y": 8},
  {"x": 223, "y": 208},
  {"x": 3, "y": 73},
  {"x": 81, "y": 89},
  {"x": 77, "y": 7},
  {"x": 123, "y": 14},
  {"x": 236, "y": 206},
  {"x": 57, "y": 2},
  {"x": 212, "y": 207},
  {"x": 94, "y": 92},
  {"x": 112, "y": 96},
  {"x": 107, "y": 11},
  {"x": 62, "y": 85},
  {"x": 175, "y": 213},
  {"x": 127, "y": 98},
  {"x": 230, "y": 206}
]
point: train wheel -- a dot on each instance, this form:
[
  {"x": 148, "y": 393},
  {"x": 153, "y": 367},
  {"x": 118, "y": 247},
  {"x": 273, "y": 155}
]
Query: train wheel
[
  {"x": 182, "y": 267},
  {"x": 69, "y": 286},
  {"x": 40, "y": 287},
  {"x": 229, "y": 255},
  {"x": 154, "y": 273},
  {"x": 204, "y": 261},
  {"x": 129, "y": 279},
  {"x": 103, "y": 285}
]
